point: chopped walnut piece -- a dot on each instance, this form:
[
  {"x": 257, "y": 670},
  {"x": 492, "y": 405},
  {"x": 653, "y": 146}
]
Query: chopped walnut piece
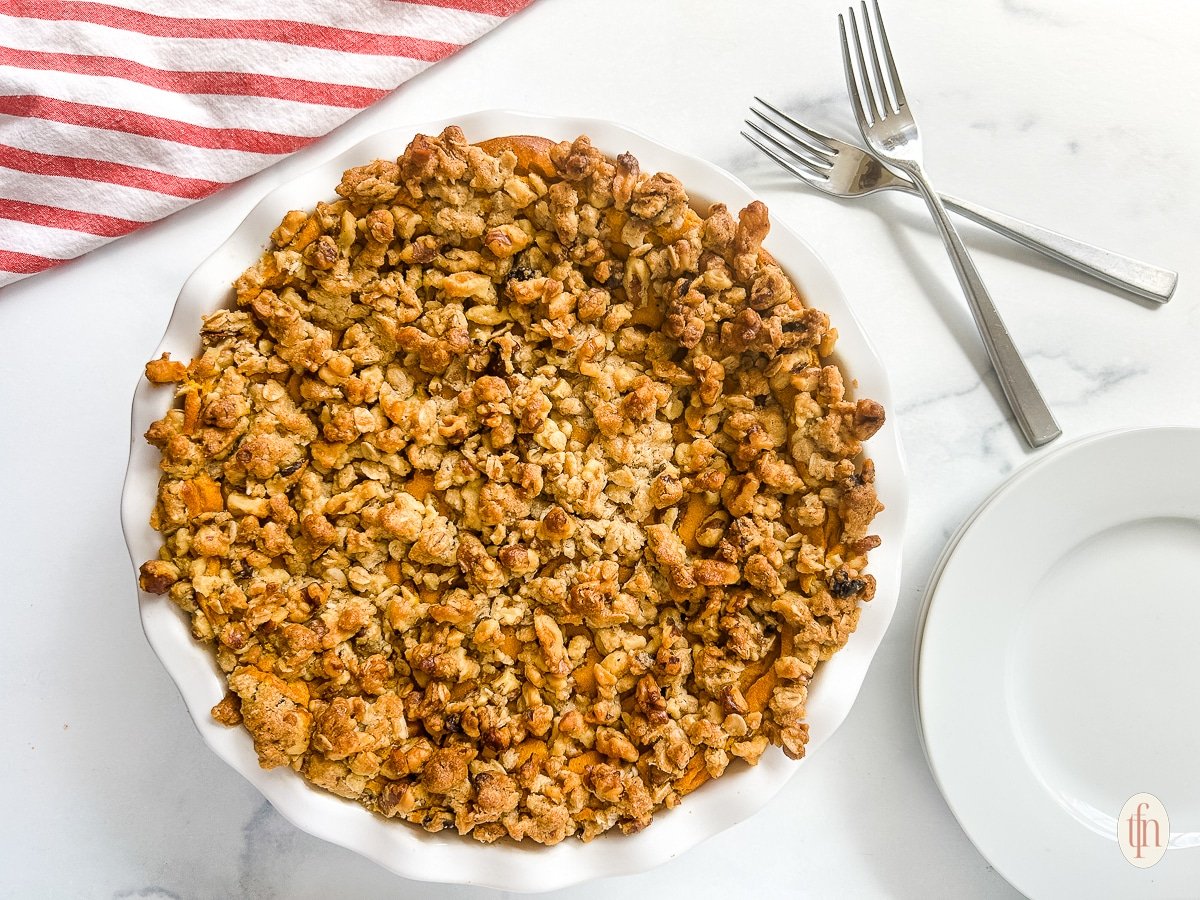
[
  {"x": 157, "y": 576},
  {"x": 517, "y": 495}
]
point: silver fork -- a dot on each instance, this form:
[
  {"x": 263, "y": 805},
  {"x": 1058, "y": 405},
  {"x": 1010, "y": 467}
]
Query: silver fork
[
  {"x": 844, "y": 170},
  {"x": 891, "y": 133}
]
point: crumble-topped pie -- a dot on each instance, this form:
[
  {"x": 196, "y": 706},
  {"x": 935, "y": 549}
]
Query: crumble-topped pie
[{"x": 515, "y": 495}]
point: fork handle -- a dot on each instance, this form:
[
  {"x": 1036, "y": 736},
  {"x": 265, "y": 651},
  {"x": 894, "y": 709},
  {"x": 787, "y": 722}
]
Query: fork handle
[
  {"x": 1033, "y": 415},
  {"x": 1135, "y": 276}
]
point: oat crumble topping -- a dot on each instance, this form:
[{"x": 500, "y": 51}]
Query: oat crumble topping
[{"x": 515, "y": 496}]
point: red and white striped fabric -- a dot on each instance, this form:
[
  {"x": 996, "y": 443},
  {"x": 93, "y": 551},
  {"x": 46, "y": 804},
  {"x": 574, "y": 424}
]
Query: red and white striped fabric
[{"x": 114, "y": 114}]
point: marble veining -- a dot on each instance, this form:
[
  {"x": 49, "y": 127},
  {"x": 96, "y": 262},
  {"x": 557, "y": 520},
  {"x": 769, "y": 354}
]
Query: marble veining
[
  {"x": 1091, "y": 380},
  {"x": 952, "y": 395},
  {"x": 1034, "y": 12},
  {"x": 267, "y": 834}
]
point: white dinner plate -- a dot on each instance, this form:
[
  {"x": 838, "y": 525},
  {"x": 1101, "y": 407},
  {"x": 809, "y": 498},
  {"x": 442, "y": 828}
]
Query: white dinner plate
[
  {"x": 1058, "y": 668},
  {"x": 446, "y": 857}
]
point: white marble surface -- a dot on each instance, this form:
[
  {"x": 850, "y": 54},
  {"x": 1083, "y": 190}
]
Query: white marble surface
[{"x": 1062, "y": 111}]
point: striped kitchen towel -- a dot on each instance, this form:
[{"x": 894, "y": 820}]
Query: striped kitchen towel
[{"x": 117, "y": 113}]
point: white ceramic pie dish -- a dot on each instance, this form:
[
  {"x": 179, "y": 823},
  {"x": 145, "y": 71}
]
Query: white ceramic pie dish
[{"x": 446, "y": 857}]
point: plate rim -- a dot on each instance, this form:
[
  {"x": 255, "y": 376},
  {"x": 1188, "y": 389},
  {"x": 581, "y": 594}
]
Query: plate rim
[
  {"x": 467, "y": 862},
  {"x": 1057, "y": 456}
]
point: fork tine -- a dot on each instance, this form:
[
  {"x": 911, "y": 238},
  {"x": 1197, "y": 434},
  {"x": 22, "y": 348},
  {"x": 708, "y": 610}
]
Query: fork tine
[
  {"x": 824, "y": 140},
  {"x": 816, "y": 180},
  {"x": 897, "y": 90},
  {"x": 856, "y": 100},
  {"x": 868, "y": 91},
  {"x": 820, "y": 156},
  {"x": 885, "y": 102},
  {"x": 820, "y": 169}
]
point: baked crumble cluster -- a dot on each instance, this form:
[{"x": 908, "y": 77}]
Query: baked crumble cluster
[{"x": 515, "y": 495}]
